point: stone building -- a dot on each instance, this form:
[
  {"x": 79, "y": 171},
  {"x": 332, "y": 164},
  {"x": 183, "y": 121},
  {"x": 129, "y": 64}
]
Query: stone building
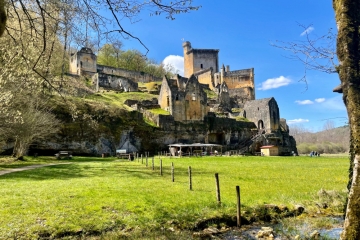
[
  {"x": 204, "y": 64},
  {"x": 84, "y": 63},
  {"x": 264, "y": 113},
  {"x": 184, "y": 98}
]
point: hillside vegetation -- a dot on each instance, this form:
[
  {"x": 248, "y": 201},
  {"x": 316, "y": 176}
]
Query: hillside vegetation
[{"x": 330, "y": 140}]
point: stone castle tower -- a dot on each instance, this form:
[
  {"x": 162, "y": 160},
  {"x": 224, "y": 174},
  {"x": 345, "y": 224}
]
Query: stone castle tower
[
  {"x": 196, "y": 60},
  {"x": 204, "y": 64}
]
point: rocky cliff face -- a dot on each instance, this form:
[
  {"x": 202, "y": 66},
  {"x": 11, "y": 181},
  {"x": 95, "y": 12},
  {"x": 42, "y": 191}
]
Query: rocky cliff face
[{"x": 91, "y": 128}]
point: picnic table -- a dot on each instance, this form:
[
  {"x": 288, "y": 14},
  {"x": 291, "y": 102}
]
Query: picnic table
[{"x": 63, "y": 155}]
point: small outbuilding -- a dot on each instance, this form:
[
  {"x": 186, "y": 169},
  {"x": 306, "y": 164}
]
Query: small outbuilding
[{"x": 270, "y": 150}]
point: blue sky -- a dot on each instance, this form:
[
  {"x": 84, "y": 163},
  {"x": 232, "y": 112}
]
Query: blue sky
[{"x": 243, "y": 32}]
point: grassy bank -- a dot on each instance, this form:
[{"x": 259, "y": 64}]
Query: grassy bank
[{"x": 92, "y": 195}]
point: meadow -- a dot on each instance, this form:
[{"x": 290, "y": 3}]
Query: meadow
[{"x": 107, "y": 197}]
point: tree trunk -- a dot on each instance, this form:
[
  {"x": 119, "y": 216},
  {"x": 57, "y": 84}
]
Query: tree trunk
[
  {"x": 2, "y": 16},
  {"x": 347, "y": 14}
]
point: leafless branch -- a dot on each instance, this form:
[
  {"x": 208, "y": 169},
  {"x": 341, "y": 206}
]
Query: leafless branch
[{"x": 315, "y": 52}]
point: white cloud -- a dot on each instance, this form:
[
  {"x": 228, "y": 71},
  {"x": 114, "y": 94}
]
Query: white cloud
[
  {"x": 335, "y": 103},
  {"x": 177, "y": 62},
  {"x": 320, "y": 100},
  {"x": 304, "y": 102},
  {"x": 298, "y": 120},
  {"x": 307, "y": 31},
  {"x": 275, "y": 83}
]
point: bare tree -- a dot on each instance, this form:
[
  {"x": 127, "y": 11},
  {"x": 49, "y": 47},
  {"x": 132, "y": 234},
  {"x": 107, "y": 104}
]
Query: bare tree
[
  {"x": 80, "y": 20},
  {"x": 36, "y": 122},
  {"x": 328, "y": 125}
]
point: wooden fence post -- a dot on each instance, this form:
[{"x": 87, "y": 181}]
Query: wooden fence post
[
  {"x": 238, "y": 206},
  {"x": 217, "y": 188},
  {"x": 142, "y": 160},
  {"x": 172, "y": 172},
  {"x": 161, "y": 167},
  {"x": 146, "y": 161},
  {"x": 190, "y": 180}
]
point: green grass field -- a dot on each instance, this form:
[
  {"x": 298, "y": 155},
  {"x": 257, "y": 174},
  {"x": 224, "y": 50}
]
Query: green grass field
[{"x": 92, "y": 196}]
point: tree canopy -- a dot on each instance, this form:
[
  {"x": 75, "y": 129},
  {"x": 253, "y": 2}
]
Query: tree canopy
[{"x": 133, "y": 60}]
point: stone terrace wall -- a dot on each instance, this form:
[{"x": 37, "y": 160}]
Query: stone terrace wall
[{"x": 133, "y": 75}]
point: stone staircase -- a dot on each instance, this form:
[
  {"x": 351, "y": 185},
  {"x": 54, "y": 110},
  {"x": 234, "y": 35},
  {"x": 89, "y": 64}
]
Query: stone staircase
[{"x": 243, "y": 146}]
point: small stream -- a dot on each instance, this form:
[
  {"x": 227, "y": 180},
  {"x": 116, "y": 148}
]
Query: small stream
[
  {"x": 303, "y": 231},
  {"x": 333, "y": 233}
]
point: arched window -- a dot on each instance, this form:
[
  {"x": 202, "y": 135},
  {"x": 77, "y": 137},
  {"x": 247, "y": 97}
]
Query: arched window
[
  {"x": 201, "y": 66},
  {"x": 260, "y": 124},
  {"x": 177, "y": 97},
  {"x": 167, "y": 101}
]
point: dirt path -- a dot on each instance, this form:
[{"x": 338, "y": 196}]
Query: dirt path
[{"x": 11, "y": 170}]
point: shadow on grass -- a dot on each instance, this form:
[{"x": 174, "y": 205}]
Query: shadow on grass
[
  {"x": 80, "y": 168},
  {"x": 47, "y": 173}
]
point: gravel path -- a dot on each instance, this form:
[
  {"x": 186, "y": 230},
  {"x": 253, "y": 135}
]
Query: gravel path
[{"x": 11, "y": 170}]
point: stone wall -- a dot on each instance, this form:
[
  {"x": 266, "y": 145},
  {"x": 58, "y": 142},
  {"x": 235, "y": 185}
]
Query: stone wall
[
  {"x": 205, "y": 77},
  {"x": 116, "y": 82},
  {"x": 239, "y": 79},
  {"x": 133, "y": 75},
  {"x": 242, "y": 95}
]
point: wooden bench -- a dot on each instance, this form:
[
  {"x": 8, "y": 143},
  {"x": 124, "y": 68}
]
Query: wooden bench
[
  {"x": 63, "y": 155},
  {"x": 123, "y": 155}
]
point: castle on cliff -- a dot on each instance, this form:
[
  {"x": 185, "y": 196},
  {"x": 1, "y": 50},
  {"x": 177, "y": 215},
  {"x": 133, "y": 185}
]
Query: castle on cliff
[{"x": 186, "y": 100}]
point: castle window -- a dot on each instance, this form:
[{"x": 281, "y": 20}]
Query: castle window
[
  {"x": 167, "y": 101},
  {"x": 177, "y": 97},
  {"x": 201, "y": 66},
  {"x": 193, "y": 96}
]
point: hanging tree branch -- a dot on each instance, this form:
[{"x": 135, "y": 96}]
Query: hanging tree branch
[{"x": 315, "y": 52}]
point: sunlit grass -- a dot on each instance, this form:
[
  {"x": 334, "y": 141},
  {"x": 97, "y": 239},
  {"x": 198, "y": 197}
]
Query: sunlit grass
[
  {"x": 159, "y": 111},
  {"x": 94, "y": 195},
  {"x": 118, "y": 99}
]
